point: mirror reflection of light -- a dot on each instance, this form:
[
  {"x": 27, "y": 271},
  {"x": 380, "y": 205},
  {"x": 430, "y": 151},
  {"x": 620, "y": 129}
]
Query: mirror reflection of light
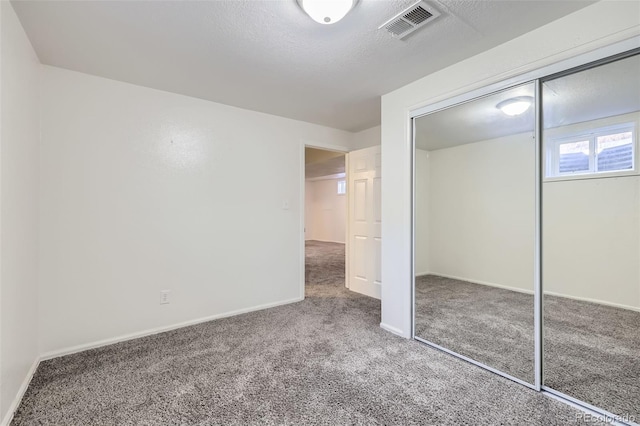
[{"x": 515, "y": 106}]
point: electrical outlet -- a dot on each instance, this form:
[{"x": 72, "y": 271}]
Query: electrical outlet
[{"x": 164, "y": 297}]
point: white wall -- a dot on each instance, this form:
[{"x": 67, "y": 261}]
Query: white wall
[
  {"x": 556, "y": 41},
  {"x": 591, "y": 243},
  {"x": 20, "y": 91},
  {"x": 366, "y": 138},
  {"x": 422, "y": 185},
  {"x": 308, "y": 209},
  {"x": 144, "y": 190},
  {"x": 476, "y": 222},
  {"x": 591, "y": 232},
  {"x": 481, "y": 212},
  {"x": 326, "y": 211}
]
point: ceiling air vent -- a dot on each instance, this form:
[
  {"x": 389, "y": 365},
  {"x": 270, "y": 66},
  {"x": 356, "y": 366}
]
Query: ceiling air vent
[{"x": 409, "y": 20}]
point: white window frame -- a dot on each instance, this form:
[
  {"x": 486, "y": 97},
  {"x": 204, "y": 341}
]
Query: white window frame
[{"x": 552, "y": 153}]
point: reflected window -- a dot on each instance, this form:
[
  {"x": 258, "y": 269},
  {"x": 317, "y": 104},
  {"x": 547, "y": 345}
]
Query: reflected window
[{"x": 603, "y": 150}]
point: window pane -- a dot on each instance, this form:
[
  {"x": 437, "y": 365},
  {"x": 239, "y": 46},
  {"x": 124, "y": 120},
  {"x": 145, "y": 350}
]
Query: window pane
[
  {"x": 574, "y": 157},
  {"x": 615, "y": 152}
]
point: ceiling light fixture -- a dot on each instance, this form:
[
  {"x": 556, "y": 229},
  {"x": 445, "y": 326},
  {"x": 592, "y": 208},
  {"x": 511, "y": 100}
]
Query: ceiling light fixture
[
  {"x": 327, "y": 11},
  {"x": 515, "y": 106}
]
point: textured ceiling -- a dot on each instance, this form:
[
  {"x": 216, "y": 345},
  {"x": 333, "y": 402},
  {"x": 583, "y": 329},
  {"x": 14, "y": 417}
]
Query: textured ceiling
[
  {"x": 327, "y": 167},
  {"x": 314, "y": 155},
  {"x": 474, "y": 121},
  {"x": 268, "y": 55},
  {"x": 320, "y": 162},
  {"x": 604, "y": 91}
]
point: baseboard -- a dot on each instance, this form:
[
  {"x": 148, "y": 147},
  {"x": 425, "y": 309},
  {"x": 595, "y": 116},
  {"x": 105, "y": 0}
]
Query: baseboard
[
  {"x": 21, "y": 391},
  {"x": 366, "y": 290},
  {"x": 596, "y": 301},
  {"x": 549, "y": 293},
  {"x": 150, "y": 332},
  {"x": 393, "y": 330},
  {"x": 504, "y": 287},
  {"x": 326, "y": 241}
]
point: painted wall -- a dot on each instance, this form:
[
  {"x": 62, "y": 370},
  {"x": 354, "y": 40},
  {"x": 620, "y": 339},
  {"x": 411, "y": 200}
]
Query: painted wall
[
  {"x": 19, "y": 92},
  {"x": 480, "y": 217},
  {"x": 422, "y": 185},
  {"x": 546, "y": 45},
  {"x": 326, "y": 211},
  {"x": 591, "y": 232},
  {"x": 592, "y": 240},
  {"x": 367, "y": 138},
  {"x": 475, "y": 221},
  {"x": 144, "y": 190},
  {"x": 308, "y": 209}
]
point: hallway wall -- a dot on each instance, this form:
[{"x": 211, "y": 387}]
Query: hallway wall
[
  {"x": 325, "y": 211},
  {"x": 19, "y": 135}
]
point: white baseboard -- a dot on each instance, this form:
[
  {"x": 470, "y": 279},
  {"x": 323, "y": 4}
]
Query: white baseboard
[
  {"x": 549, "y": 293},
  {"x": 374, "y": 291},
  {"x": 80, "y": 348},
  {"x": 596, "y": 301},
  {"x": 519, "y": 290},
  {"x": 393, "y": 330},
  {"x": 21, "y": 391},
  {"x": 326, "y": 241},
  {"x": 123, "y": 338}
]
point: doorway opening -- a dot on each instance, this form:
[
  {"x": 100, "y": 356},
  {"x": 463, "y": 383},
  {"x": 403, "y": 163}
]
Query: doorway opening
[{"x": 325, "y": 220}]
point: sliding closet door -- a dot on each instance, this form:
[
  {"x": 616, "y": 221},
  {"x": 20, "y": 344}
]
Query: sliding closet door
[
  {"x": 591, "y": 236},
  {"x": 475, "y": 231}
]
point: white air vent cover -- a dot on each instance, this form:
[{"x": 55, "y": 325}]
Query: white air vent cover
[{"x": 409, "y": 20}]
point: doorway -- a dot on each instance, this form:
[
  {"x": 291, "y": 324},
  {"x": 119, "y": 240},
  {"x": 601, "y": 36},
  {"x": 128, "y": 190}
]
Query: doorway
[
  {"x": 342, "y": 219},
  {"x": 325, "y": 223}
]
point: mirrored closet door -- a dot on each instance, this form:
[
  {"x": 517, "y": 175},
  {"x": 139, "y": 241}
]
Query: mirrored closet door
[
  {"x": 474, "y": 230},
  {"x": 591, "y": 236},
  {"x": 527, "y": 243}
]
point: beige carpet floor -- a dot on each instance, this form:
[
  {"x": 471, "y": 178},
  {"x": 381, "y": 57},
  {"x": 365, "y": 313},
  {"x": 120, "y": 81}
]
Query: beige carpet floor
[
  {"x": 322, "y": 361},
  {"x": 591, "y": 351}
]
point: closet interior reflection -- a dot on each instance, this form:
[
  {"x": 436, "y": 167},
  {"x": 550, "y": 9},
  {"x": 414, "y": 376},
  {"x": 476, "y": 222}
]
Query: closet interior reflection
[
  {"x": 475, "y": 228},
  {"x": 527, "y": 242},
  {"x": 591, "y": 236}
]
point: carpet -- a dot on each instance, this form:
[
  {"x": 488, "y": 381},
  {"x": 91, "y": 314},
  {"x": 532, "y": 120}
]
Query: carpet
[
  {"x": 324, "y": 264},
  {"x": 488, "y": 324},
  {"x": 591, "y": 351},
  {"x": 322, "y": 361}
]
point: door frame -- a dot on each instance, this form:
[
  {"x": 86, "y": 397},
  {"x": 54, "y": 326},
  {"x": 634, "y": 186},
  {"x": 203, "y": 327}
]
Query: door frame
[{"x": 326, "y": 147}]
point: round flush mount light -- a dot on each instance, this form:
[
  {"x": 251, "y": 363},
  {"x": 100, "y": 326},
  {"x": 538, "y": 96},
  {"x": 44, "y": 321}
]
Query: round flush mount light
[
  {"x": 515, "y": 106},
  {"x": 327, "y": 11}
]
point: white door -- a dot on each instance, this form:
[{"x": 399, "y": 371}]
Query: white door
[{"x": 365, "y": 179}]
